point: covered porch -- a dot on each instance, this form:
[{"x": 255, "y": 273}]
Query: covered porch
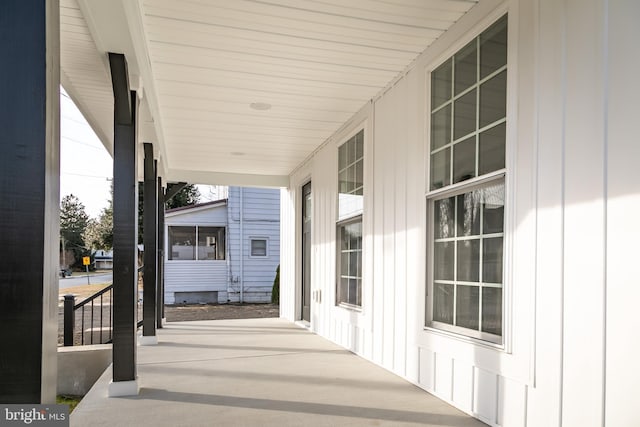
[{"x": 267, "y": 372}]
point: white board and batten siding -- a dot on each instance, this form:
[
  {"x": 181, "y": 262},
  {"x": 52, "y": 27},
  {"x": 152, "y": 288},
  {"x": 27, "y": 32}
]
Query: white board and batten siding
[
  {"x": 253, "y": 213},
  {"x": 572, "y": 195},
  {"x": 195, "y": 276}
]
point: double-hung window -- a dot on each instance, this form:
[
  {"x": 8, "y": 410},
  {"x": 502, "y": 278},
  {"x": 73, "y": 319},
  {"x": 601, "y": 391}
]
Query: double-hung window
[
  {"x": 349, "y": 226},
  {"x": 466, "y": 194}
]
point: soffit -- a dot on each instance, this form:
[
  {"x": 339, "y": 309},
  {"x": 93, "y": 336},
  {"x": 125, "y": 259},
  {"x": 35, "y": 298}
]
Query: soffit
[{"x": 203, "y": 62}]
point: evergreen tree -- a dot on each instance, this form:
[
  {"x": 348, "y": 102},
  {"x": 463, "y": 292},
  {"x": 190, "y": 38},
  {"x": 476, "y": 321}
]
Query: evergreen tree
[
  {"x": 189, "y": 195},
  {"x": 73, "y": 223}
]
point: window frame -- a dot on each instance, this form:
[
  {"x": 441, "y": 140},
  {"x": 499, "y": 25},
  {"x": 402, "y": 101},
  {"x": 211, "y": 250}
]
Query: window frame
[
  {"x": 266, "y": 246},
  {"x": 351, "y": 217},
  {"x": 168, "y": 257},
  {"x": 456, "y": 188}
]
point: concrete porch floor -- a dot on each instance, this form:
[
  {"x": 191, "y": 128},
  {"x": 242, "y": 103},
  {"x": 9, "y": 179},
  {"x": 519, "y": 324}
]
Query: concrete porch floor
[{"x": 260, "y": 372}]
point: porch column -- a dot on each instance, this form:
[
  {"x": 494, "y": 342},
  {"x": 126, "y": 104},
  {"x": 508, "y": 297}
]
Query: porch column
[
  {"x": 160, "y": 264},
  {"x": 30, "y": 191},
  {"x": 150, "y": 216},
  {"x": 125, "y": 231}
]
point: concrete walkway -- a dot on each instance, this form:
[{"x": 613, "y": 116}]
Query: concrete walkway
[{"x": 260, "y": 372}]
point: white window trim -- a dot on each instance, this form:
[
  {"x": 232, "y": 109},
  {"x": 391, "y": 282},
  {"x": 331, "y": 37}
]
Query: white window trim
[{"x": 266, "y": 239}]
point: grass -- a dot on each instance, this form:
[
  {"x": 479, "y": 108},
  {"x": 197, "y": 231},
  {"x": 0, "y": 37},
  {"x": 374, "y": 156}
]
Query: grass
[{"x": 72, "y": 401}]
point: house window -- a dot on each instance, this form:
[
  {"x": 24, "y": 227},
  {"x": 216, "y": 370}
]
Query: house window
[
  {"x": 466, "y": 195},
  {"x": 349, "y": 226},
  {"x": 259, "y": 247},
  {"x": 191, "y": 243}
]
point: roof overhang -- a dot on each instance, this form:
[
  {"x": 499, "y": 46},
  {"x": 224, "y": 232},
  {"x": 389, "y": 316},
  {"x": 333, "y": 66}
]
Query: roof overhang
[{"x": 240, "y": 93}]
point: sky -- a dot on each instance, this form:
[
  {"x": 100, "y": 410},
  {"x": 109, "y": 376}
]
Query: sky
[{"x": 86, "y": 168}]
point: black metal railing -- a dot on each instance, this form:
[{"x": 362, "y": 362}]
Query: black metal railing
[{"x": 70, "y": 309}]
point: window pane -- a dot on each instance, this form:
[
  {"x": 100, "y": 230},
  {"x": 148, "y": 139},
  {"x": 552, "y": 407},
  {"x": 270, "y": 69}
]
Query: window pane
[
  {"x": 464, "y": 160},
  {"x": 353, "y": 264},
  {"x": 468, "y": 260},
  {"x": 441, "y": 85},
  {"x": 465, "y": 67},
  {"x": 343, "y": 290},
  {"x": 493, "y": 209},
  {"x": 359, "y": 145},
  {"x": 343, "y": 178},
  {"x": 443, "y": 218},
  {"x": 492, "y": 260},
  {"x": 468, "y": 217},
  {"x": 443, "y": 261},
  {"x": 492, "y": 310},
  {"x": 210, "y": 243},
  {"x": 440, "y": 168},
  {"x": 353, "y": 292},
  {"x": 493, "y": 99},
  {"x": 467, "y": 306},
  {"x": 359, "y": 175},
  {"x": 182, "y": 243},
  {"x": 464, "y": 115},
  {"x": 441, "y": 127},
  {"x": 493, "y": 48},
  {"x": 342, "y": 156},
  {"x": 443, "y": 303},
  {"x": 258, "y": 247},
  {"x": 492, "y": 149},
  {"x": 344, "y": 264}
]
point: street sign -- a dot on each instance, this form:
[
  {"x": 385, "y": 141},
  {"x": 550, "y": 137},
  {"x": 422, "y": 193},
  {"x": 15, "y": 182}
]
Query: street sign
[{"x": 86, "y": 260}]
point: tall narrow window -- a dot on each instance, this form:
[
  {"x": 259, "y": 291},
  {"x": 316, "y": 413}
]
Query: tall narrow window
[
  {"x": 466, "y": 187},
  {"x": 349, "y": 227}
]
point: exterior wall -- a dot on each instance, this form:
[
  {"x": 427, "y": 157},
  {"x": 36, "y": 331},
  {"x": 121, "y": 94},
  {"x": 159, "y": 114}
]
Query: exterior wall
[
  {"x": 196, "y": 276},
  {"x": 573, "y": 190},
  {"x": 253, "y": 213}
]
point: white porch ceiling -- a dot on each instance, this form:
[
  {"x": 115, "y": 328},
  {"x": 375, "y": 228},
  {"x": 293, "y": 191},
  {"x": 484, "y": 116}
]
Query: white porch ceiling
[{"x": 201, "y": 63}]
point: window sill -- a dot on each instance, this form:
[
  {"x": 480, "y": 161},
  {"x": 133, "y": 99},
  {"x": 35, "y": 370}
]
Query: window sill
[{"x": 458, "y": 336}]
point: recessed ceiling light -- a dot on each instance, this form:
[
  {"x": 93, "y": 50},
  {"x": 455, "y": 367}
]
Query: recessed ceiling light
[
  {"x": 237, "y": 153},
  {"x": 262, "y": 106}
]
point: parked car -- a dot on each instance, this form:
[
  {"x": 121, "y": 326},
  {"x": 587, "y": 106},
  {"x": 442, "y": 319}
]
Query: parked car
[{"x": 65, "y": 272}]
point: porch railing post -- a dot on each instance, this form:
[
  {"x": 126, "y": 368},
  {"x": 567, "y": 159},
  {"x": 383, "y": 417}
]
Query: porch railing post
[{"x": 69, "y": 319}]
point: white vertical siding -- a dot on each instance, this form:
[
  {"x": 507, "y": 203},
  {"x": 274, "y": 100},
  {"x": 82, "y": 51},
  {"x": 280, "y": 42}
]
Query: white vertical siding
[
  {"x": 570, "y": 353},
  {"x": 623, "y": 204},
  {"x": 260, "y": 218}
]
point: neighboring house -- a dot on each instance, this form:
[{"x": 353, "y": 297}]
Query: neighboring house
[
  {"x": 223, "y": 251},
  {"x": 103, "y": 259}
]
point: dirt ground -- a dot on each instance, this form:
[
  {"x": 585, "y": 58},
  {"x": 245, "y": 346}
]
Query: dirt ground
[
  {"x": 173, "y": 313},
  {"x": 179, "y": 313}
]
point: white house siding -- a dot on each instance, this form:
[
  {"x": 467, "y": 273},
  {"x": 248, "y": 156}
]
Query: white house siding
[
  {"x": 196, "y": 276},
  {"x": 260, "y": 219},
  {"x": 573, "y": 193}
]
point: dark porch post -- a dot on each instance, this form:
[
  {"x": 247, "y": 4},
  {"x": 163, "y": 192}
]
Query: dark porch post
[
  {"x": 160, "y": 265},
  {"x": 125, "y": 231},
  {"x": 150, "y": 216},
  {"x": 30, "y": 192}
]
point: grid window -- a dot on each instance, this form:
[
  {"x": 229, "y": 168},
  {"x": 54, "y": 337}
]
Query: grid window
[
  {"x": 468, "y": 110},
  {"x": 258, "y": 247},
  {"x": 351, "y": 176},
  {"x": 350, "y": 263},
  {"x": 468, "y": 138},
  {"x": 349, "y": 226},
  {"x": 191, "y": 243}
]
